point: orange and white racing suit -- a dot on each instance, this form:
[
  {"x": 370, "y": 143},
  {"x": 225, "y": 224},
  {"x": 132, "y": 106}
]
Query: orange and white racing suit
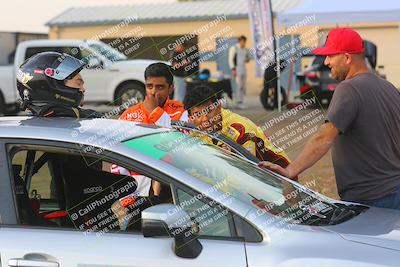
[{"x": 172, "y": 110}]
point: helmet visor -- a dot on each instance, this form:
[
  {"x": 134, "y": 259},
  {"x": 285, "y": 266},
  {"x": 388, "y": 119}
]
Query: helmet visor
[{"x": 65, "y": 67}]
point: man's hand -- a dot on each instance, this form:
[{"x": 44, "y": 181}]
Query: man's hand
[
  {"x": 287, "y": 172},
  {"x": 225, "y": 147},
  {"x": 275, "y": 168},
  {"x": 150, "y": 103},
  {"x": 156, "y": 187}
]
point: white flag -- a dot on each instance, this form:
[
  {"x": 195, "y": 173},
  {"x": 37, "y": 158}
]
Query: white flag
[{"x": 261, "y": 21}]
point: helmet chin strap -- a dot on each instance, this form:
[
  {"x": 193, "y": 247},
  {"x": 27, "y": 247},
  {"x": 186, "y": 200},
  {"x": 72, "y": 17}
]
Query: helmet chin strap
[
  {"x": 80, "y": 93},
  {"x": 36, "y": 110}
]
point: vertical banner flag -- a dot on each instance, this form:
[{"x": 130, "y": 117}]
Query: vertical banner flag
[{"x": 261, "y": 21}]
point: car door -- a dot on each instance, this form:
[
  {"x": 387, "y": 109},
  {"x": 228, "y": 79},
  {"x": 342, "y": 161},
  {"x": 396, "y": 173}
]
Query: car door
[{"x": 61, "y": 241}]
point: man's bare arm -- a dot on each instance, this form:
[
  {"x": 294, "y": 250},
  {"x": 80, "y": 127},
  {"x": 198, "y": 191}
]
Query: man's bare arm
[{"x": 315, "y": 148}]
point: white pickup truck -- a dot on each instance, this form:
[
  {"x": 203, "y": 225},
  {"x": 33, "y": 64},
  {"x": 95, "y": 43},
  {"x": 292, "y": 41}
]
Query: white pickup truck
[{"x": 110, "y": 77}]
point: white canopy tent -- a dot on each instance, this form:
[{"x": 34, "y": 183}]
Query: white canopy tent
[
  {"x": 342, "y": 12},
  {"x": 339, "y": 12}
]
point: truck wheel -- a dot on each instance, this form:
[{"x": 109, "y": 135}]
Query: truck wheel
[{"x": 131, "y": 91}]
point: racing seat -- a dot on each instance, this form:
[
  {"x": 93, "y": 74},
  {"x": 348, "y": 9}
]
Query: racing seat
[{"x": 90, "y": 192}]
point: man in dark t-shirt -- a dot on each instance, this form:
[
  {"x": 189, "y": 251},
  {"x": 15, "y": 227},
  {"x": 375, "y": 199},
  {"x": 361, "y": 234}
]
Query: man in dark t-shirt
[{"x": 363, "y": 128}]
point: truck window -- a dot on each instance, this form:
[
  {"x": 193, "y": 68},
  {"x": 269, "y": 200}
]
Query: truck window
[{"x": 70, "y": 50}]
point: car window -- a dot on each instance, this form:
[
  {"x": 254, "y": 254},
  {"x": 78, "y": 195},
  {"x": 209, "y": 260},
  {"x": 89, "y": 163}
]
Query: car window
[
  {"x": 70, "y": 50},
  {"x": 210, "y": 221},
  {"x": 40, "y": 187},
  {"x": 40, "y": 181},
  {"x": 107, "y": 51},
  {"x": 88, "y": 56},
  {"x": 65, "y": 190}
]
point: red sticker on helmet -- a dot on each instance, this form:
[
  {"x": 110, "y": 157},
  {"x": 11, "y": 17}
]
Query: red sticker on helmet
[
  {"x": 49, "y": 72},
  {"x": 38, "y": 71}
]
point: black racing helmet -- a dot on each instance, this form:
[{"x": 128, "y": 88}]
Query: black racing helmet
[{"x": 40, "y": 79}]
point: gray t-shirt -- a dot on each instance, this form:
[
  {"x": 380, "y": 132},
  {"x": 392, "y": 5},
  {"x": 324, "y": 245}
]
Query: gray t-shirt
[
  {"x": 366, "y": 155},
  {"x": 242, "y": 55}
]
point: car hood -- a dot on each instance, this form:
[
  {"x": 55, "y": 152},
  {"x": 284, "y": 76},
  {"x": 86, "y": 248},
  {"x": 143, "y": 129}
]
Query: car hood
[{"x": 375, "y": 226}]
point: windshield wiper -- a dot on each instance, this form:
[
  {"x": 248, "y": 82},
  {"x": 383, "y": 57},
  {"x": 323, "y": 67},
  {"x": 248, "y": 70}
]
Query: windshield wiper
[
  {"x": 341, "y": 215},
  {"x": 333, "y": 216},
  {"x": 346, "y": 212}
]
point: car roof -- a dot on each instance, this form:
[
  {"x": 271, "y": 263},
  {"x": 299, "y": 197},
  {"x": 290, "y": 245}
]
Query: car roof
[{"x": 83, "y": 131}]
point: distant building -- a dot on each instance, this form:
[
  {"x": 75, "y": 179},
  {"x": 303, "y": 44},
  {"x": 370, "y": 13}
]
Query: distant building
[
  {"x": 9, "y": 42},
  {"x": 152, "y": 30}
]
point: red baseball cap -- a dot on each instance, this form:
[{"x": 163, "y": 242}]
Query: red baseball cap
[{"x": 341, "y": 41}]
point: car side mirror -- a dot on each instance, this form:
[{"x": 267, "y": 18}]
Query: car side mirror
[{"x": 171, "y": 220}]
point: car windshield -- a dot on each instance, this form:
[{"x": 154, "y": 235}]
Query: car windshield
[
  {"x": 236, "y": 176},
  {"x": 107, "y": 52}
]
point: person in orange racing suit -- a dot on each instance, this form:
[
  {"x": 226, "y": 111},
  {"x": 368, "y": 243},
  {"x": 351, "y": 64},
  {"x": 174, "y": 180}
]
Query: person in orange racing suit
[{"x": 156, "y": 109}]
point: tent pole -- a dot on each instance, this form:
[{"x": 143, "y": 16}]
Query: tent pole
[{"x": 278, "y": 75}]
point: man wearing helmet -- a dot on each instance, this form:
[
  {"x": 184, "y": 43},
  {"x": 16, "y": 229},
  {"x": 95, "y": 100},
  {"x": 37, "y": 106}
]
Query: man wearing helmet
[{"x": 50, "y": 85}]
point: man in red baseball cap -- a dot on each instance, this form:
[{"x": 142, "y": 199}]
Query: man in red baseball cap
[
  {"x": 341, "y": 41},
  {"x": 344, "y": 53},
  {"x": 363, "y": 128}
]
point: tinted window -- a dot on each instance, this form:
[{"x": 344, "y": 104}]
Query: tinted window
[
  {"x": 72, "y": 191},
  {"x": 210, "y": 220},
  {"x": 73, "y": 51}
]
